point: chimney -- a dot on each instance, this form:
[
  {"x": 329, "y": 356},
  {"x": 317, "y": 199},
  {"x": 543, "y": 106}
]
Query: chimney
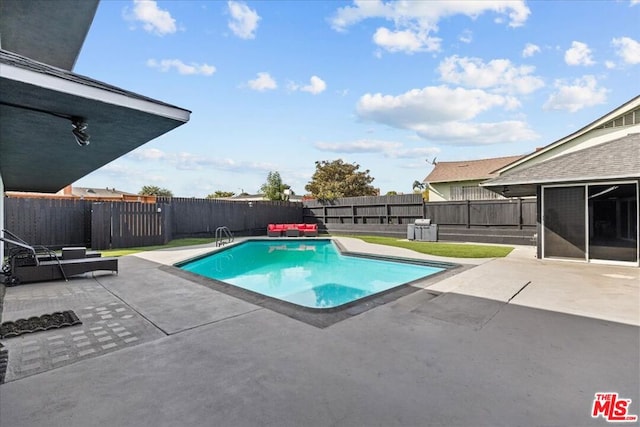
[{"x": 67, "y": 191}]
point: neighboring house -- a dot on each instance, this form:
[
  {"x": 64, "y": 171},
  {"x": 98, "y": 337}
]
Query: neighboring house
[
  {"x": 93, "y": 194},
  {"x": 47, "y": 112},
  {"x": 244, "y": 197},
  {"x": 586, "y": 186},
  {"x": 461, "y": 180}
]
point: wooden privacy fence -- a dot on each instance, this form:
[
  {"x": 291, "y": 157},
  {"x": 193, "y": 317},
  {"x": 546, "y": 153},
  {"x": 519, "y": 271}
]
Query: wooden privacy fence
[
  {"x": 401, "y": 209},
  {"x": 57, "y": 223},
  {"x": 510, "y": 221},
  {"x": 49, "y": 222},
  {"x": 127, "y": 225},
  {"x": 405, "y": 209},
  {"x": 201, "y": 217},
  {"x": 483, "y": 213}
]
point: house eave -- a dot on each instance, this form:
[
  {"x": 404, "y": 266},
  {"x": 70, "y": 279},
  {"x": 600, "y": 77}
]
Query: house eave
[{"x": 628, "y": 106}]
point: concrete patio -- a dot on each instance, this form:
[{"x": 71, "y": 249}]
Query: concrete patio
[{"x": 512, "y": 341}]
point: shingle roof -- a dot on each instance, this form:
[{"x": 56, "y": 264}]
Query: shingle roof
[
  {"x": 624, "y": 109},
  {"x": 99, "y": 192},
  {"x": 615, "y": 159},
  {"x": 468, "y": 170},
  {"x": 13, "y": 59}
]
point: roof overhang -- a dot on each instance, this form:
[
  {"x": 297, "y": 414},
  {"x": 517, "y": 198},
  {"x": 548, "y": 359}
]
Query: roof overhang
[
  {"x": 47, "y": 31},
  {"x": 514, "y": 190},
  {"x": 526, "y": 189},
  {"x": 623, "y": 109},
  {"x": 38, "y": 151},
  {"x": 615, "y": 160}
]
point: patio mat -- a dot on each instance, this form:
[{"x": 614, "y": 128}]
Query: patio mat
[{"x": 45, "y": 322}]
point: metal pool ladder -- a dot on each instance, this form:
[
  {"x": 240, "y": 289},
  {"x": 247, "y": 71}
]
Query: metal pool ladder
[{"x": 223, "y": 236}]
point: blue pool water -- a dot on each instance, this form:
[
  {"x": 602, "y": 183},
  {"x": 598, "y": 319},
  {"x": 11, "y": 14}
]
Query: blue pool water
[{"x": 308, "y": 273}]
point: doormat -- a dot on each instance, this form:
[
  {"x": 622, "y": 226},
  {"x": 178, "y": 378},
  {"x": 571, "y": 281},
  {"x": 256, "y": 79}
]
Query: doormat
[
  {"x": 45, "y": 322},
  {"x": 4, "y": 361}
]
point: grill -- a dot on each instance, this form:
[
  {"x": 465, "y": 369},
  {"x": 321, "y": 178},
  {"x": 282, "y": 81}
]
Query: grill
[{"x": 422, "y": 230}]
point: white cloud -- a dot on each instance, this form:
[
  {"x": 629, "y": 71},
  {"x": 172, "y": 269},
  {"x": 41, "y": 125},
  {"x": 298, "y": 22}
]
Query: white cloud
[
  {"x": 244, "y": 21},
  {"x": 628, "y": 49},
  {"x": 530, "y": 49},
  {"x": 408, "y": 41},
  {"x": 147, "y": 154},
  {"x": 498, "y": 74},
  {"x": 444, "y": 114},
  {"x": 468, "y": 133},
  {"x": 466, "y": 36},
  {"x": 634, "y": 2},
  {"x": 412, "y": 153},
  {"x": 360, "y": 146},
  {"x": 414, "y": 21},
  {"x": 581, "y": 93},
  {"x": 578, "y": 54},
  {"x": 610, "y": 65},
  {"x": 315, "y": 86},
  {"x": 190, "y": 161},
  {"x": 263, "y": 82},
  {"x": 432, "y": 104},
  {"x": 154, "y": 20},
  {"x": 182, "y": 68},
  {"x": 389, "y": 149}
]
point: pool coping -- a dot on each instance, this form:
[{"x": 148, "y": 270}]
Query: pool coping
[{"x": 322, "y": 317}]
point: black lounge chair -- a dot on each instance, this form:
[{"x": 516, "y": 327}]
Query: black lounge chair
[{"x": 26, "y": 263}]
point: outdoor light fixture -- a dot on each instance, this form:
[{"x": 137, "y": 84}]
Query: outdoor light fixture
[
  {"x": 79, "y": 131},
  {"x": 79, "y": 124}
]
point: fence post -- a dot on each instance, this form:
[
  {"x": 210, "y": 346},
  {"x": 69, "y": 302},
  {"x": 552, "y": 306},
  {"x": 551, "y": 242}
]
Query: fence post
[
  {"x": 166, "y": 223},
  {"x": 519, "y": 213},
  {"x": 468, "y": 213}
]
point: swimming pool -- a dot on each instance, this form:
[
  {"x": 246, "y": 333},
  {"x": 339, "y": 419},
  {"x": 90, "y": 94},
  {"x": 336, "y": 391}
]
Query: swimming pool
[{"x": 311, "y": 274}]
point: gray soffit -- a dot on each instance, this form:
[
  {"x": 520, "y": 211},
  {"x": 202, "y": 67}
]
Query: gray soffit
[
  {"x": 37, "y": 149},
  {"x": 613, "y": 160},
  {"x": 48, "y": 31}
]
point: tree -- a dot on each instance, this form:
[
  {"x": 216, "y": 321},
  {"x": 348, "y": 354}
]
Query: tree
[
  {"x": 421, "y": 187},
  {"x": 334, "y": 179},
  {"x": 154, "y": 190},
  {"x": 274, "y": 188},
  {"x": 220, "y": 194},
  {"x": 391, "y": 193}
]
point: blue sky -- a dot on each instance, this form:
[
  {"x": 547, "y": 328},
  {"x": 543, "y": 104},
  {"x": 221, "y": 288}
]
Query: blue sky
[{"x": 277, "y": 85}]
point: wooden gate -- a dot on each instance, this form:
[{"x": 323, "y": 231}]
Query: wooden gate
[{"x": 126, "y": 225}]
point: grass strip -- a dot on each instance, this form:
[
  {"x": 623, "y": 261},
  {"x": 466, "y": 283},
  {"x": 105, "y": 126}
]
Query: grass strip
[
  {"x": 452, "y": 250},
  {"x": 172, "y": 244}
]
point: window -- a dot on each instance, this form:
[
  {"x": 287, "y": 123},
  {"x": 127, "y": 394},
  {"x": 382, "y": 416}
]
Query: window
[{"x": 469, "y": 192}]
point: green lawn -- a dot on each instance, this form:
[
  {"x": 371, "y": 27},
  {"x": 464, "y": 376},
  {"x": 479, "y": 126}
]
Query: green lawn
[
  {"x": 454, "y": 250},
  {"x": 172, "y": 244}
]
